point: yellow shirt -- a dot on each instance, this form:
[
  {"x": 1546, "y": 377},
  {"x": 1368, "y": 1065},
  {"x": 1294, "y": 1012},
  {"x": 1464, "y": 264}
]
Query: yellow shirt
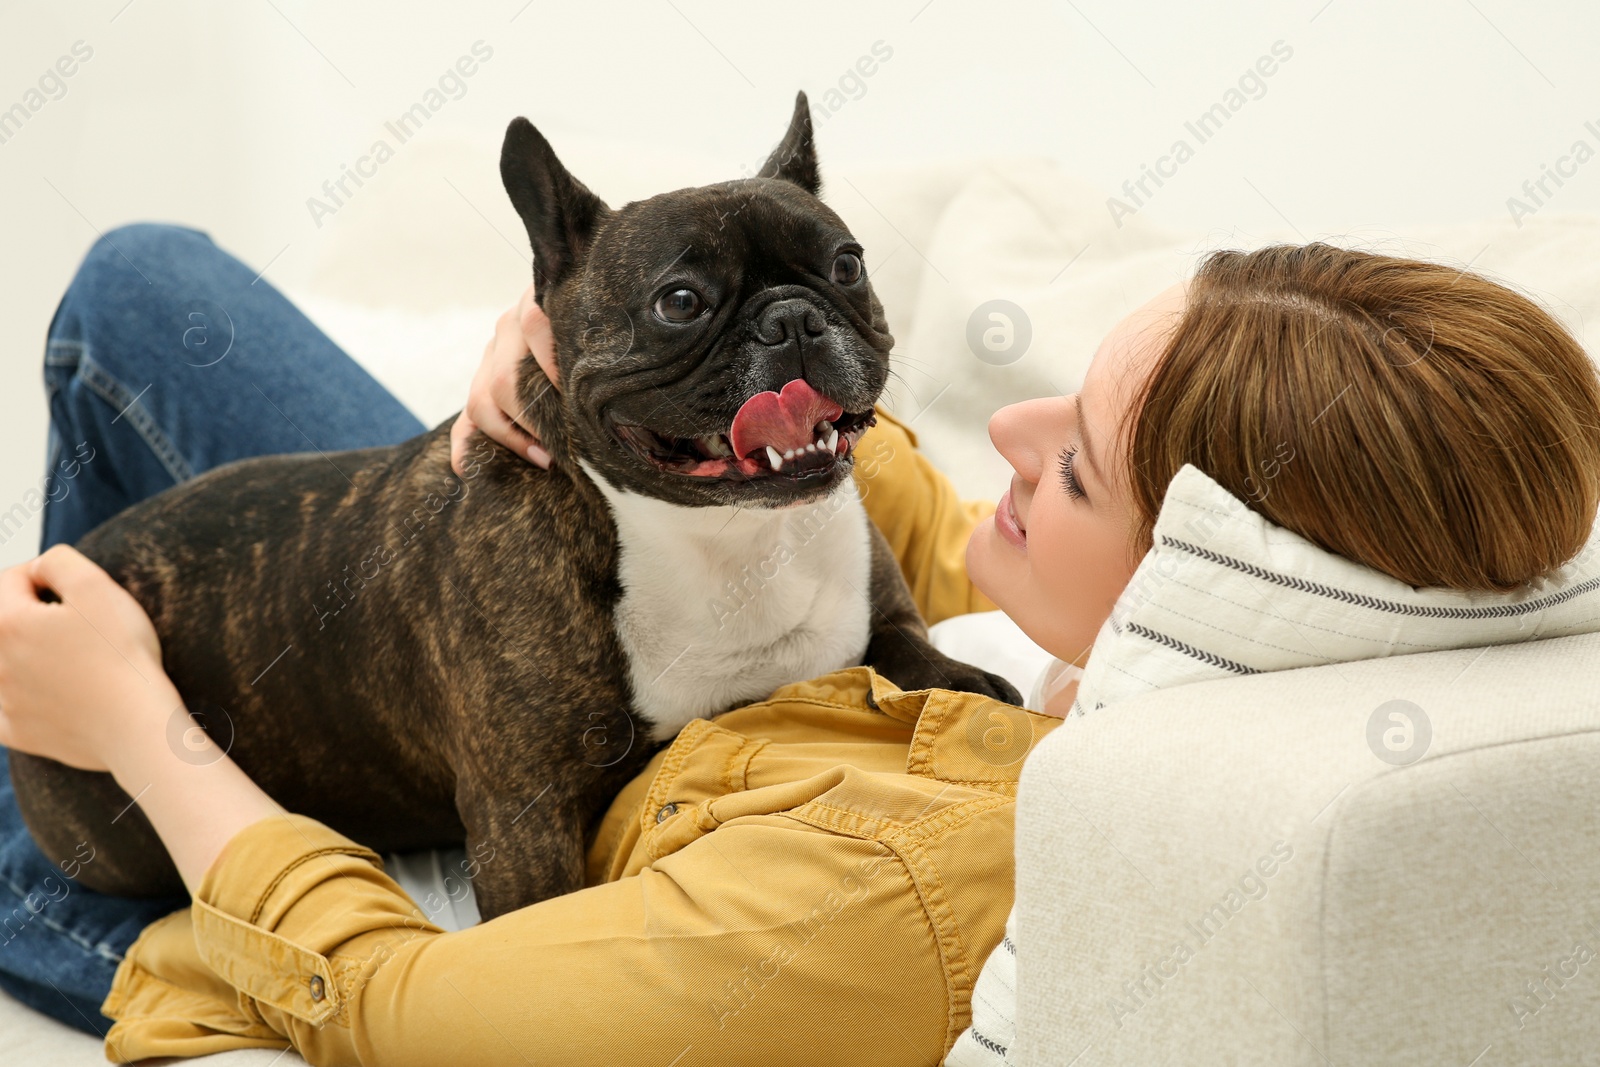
[{"x": 809, "y": 880}]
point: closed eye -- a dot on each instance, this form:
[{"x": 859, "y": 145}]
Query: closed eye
[{"x": 1069, "y": 476}]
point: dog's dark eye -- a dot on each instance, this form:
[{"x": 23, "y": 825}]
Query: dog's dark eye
[
  {"x": 680, "y": 305},
  {"x": 847, "y": 268}
]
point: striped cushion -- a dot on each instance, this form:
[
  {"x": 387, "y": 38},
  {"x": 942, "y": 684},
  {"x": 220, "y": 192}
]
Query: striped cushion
[{"x": 1223, "y": 592}]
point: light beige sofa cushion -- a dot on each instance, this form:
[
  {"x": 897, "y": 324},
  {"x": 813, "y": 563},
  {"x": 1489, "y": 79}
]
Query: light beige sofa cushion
[{"x": 1228, "y": 872}]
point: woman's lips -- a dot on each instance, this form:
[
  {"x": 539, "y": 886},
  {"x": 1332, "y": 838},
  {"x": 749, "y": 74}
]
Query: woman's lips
[{"x": 1005, "y": 521}]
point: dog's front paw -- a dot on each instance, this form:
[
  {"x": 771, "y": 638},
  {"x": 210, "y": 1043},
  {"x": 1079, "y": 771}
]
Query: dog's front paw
[
  {"x": 933, "y": 670},
  {"x": 965, "y": 678}
]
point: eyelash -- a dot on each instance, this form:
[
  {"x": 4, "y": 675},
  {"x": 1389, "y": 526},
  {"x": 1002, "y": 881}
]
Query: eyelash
[{"x": 1069, "y": 476}]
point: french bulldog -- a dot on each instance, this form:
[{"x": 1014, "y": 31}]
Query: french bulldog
[{"x": 419, "y": 659}]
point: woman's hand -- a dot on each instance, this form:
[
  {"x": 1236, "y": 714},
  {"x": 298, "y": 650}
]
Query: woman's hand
[
  {"x": 81, "y": 683},
  {"x": 80, "y": 672},
  {"x": 492, "y": 403}
]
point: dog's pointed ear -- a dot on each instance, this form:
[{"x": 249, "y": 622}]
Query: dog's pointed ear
[
  {"x": 560, "y": 213},
  {"x": 795, "y": 158}
]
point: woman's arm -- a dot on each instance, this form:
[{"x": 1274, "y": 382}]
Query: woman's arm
[
  {"x": 81, "y": 683},
  {"x": 766, "y": 941}
]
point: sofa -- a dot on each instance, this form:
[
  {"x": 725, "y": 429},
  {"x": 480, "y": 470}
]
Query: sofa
[{"x": 1407, "y": 908}]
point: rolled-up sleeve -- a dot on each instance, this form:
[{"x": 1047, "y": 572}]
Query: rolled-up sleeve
[
  {"x": 769, "y": 945},
  {"x": 925, "y": 522}
]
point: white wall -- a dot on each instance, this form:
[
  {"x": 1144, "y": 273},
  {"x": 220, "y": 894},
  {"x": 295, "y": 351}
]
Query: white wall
[{"x": 1386, "y": 115}]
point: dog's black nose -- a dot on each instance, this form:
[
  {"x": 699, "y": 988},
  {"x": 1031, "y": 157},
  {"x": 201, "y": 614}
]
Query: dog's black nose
[{"x": 789, "y": 321}]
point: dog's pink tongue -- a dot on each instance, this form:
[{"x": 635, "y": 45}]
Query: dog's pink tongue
[{"x": 782, "y": 421}]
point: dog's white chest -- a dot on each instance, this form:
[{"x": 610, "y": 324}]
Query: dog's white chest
[{"x": 722, "y": 605}]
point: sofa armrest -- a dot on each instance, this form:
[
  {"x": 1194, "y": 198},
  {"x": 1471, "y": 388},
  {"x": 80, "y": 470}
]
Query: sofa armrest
[{"x": 1228, "y": 872}]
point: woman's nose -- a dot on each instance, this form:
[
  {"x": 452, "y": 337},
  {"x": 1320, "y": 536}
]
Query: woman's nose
[{"x": 1024, "y": 434}]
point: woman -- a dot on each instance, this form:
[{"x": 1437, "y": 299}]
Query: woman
[{"x": 819, "y": 876}]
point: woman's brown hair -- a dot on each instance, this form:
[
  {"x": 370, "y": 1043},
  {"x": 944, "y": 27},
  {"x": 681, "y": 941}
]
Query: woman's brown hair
[{"x": 1413, "y": 417}]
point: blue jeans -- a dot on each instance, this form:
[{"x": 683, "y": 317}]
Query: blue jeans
[{"x": 166, "y": 357}]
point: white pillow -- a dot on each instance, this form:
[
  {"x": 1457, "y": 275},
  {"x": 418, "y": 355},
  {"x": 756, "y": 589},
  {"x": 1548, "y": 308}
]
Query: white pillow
[{"x": 1225, "y": 592}]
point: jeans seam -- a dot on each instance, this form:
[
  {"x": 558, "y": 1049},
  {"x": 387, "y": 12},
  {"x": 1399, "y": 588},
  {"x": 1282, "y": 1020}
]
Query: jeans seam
[
  {"x": 103, "y": 949},
  {"x": 118, "y": 395},
  {"x": 69, "y": 358}
]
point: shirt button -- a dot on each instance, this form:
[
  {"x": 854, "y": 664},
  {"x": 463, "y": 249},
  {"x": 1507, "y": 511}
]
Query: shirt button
[
  {"x": 666, "y": 812},
  {"x": 317, "y": 990}
]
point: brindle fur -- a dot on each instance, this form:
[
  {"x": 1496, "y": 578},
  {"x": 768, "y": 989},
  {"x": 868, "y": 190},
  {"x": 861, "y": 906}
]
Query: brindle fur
[{"x": 418, "y": 659}]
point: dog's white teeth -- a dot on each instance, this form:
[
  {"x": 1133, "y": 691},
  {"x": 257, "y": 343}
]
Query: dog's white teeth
[
  {"x": 812, "y": 447},
  {"x": 717, "y": 446},
  {"x": 789, "y": 454},
  {"x": 775, "y": 459},
  {"x": 833, "y": 439}
]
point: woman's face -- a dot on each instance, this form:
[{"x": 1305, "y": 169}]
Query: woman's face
[{"x": 1059, "y": 550}]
